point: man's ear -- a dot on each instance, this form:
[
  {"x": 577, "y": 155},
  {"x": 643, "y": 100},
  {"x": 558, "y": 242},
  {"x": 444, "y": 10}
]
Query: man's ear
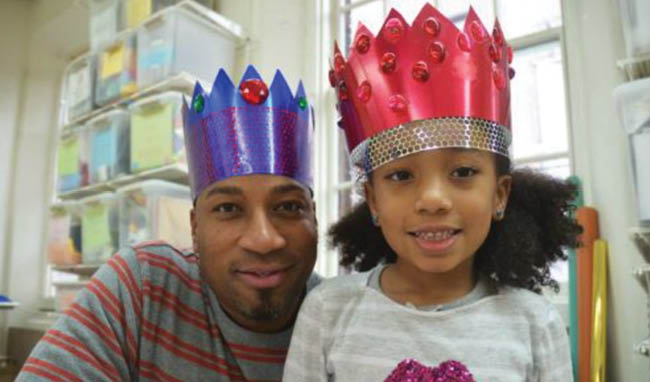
[{"x": 193, "y": 224}]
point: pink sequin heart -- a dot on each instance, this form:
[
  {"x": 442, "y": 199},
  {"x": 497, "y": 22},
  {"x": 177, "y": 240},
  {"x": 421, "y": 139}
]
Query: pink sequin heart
[{"x": 411, "y": 370}]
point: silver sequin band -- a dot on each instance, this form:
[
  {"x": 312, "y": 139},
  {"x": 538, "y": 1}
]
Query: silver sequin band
[{"x": 430, "y": 134}]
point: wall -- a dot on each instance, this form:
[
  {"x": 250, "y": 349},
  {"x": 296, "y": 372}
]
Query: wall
[
  {"x": 594, "y": 42},
  {"x": 44, "y": 34},
  {"x": 13, "y": 31}
]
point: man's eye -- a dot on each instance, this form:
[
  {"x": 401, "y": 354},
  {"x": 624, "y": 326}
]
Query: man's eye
[
  {"x": 399, "y": 176},
  {"x": 290, "y": 207},
  {"x": 226, "y": 208},
  {"x": 464, "y": 172}
]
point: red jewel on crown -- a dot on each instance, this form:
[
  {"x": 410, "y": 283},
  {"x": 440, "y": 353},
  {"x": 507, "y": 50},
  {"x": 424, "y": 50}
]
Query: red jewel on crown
[{"x": 254, "y": 91}]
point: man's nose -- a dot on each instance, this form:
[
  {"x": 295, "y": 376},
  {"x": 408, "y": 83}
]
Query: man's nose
[{"x": 260, "y": 235}]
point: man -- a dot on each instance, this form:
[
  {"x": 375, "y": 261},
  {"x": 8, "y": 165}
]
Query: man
[{"x": 224, "y": 312}]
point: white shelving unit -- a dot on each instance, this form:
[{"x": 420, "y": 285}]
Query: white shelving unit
[
  {"x": 641, "y": 238},
  {"x": 182, "y": 82}
]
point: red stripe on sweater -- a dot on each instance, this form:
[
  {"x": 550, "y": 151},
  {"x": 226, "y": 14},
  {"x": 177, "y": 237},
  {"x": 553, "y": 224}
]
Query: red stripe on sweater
[
  {"x": 43, "y": 374},
  {"x": 53, "y": 368},
  {"x": 176, "y": 351},
  {"x": 134, "y": 290},
  {"x": 259, "y": 358},
  {"x": 112, "y": 305},
  {"x": 92, "y": 323},
  {"x": 178, "y": 311},
  {"x": 170, "y": 267},
  {"x": 170, "y": 338},
  {"x": 190, "y": 257},
  {"x": 251, "y": 349},
  {"x": 74, "y": 347},
  {"x": 158, "y": 373}
]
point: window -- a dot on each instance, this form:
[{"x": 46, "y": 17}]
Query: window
[{"x": 539, "y": 114}]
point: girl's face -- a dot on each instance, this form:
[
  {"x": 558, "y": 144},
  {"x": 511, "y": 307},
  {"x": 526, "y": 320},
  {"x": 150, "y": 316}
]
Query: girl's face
[{"x": 435, "y": 207}]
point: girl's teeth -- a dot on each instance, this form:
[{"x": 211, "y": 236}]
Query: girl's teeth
[{"x": 435, "y": 236}]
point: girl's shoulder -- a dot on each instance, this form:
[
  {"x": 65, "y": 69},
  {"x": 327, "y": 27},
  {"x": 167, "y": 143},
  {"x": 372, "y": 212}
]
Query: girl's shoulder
[
  {"x": 536, "y": 307},
  {"x": 342, "y": 288}
]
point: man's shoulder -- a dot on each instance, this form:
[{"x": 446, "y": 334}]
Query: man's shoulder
[{"x": 159, "y": 257}]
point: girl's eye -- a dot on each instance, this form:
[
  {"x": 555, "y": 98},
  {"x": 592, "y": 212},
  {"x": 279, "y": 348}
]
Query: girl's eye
[
  {"x": 464, "y": 172},
  {"x": 226, "y": 208},
  {"x": 399, "y": 175}
]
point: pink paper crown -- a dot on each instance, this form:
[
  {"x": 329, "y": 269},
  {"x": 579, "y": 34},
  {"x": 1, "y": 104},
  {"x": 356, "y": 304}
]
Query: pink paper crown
[{"x": 426, "y": 71}]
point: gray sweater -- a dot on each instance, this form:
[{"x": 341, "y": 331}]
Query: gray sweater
[{"x": 349, "y": 331}]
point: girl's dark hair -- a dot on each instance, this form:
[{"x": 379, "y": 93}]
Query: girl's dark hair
[{"x": 519, "y": 249}]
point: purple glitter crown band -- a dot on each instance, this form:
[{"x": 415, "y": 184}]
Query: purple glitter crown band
[{"x": 247, "y": 130}]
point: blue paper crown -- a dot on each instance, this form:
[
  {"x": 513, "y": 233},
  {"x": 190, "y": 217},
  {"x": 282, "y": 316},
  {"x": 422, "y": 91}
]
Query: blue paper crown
[{"x": 227, "y": 135}]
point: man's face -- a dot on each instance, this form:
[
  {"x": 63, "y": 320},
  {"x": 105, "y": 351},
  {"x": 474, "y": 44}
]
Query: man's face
[{"x": 256, "y": 239}]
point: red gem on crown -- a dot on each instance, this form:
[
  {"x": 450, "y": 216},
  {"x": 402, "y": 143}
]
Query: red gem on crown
[
  {"x": 429, "y": 69},
  {"x": 254, "y": 91}
]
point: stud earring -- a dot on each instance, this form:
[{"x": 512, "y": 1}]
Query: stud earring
[
  {"x": 375, "y": 220},
  {"x": 499, "y": 214}
]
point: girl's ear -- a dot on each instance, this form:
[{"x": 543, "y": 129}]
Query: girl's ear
[
  {"x": 369, "y": 192},
  {"x": 504, "y": 185}
]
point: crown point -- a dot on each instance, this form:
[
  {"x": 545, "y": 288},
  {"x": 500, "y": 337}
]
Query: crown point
[
  {"x": 495, "y": 53},
  {"x": 254, "y": 91},
  {"x": 332, "y": 77},
  {"x": 364, "y": 91},
  {"x": 250, "y": 73},
  {"x": 509, "y": 50},
  {"x": 343, "y": 91},
  {"x": 511, "y": 73},
  {"x": 437, "y": 52},
  {"x": 432, "y": 26},
  {"x": 463, "y": 42},
  {"x": 362, "y": 43},
  {"x": 499, "y": 79},
  {"x": 388, "y": 62},
  {"x": 497, "y": 34},
  {"x": 397, "y": 103},
  {"x": 198, "y": 103},
  {"x": 339, "y": 63},
  {"x": 420, "y": 71},
  {"x": 393, "y": 30}
]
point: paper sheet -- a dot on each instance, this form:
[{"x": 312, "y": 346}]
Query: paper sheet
[
  {"x": 112, "y": 61},
  {"x": 174, "y": 221},
  {"x": 151, "y": 137},
  {"x": 137, "y": 11},
  {"x": 95, "y": 228},
  {"x": 68, "y": 163}
]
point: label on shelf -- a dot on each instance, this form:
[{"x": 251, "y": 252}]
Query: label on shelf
[
  {"x": 96, "y": 232},
  {"x": 68, "y": 163}
]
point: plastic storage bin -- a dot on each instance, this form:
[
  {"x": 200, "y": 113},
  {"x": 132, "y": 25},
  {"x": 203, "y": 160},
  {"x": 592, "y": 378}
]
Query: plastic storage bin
[
  {"x": 636, "y": 29},
  {"x": 64, "y": 236},
  {"x": 79, "y": 80},
  {"x": 108, "y": 137},
  {"x": 116, "y": 70},
  {"x": 633, "y": 102},
  {"x": 106, "y": 20},
  {"x": 176, "y": 40},
  {"x": 99, "y": 228},
  {"x": 155, "y": 209},
  {"x": 136, "y": 11},
  {"x": 72, "y": 159},
  {"x": 157, "y": 132},
  {"x": 66, "y": 293}
]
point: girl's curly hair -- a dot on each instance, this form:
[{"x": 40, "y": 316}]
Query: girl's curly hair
[{"x": 518, "y": 251}]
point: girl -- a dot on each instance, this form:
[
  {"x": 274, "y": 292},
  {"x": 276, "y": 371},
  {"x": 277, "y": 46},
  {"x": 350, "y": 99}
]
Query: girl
[{"x": 456, "y": 245}]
